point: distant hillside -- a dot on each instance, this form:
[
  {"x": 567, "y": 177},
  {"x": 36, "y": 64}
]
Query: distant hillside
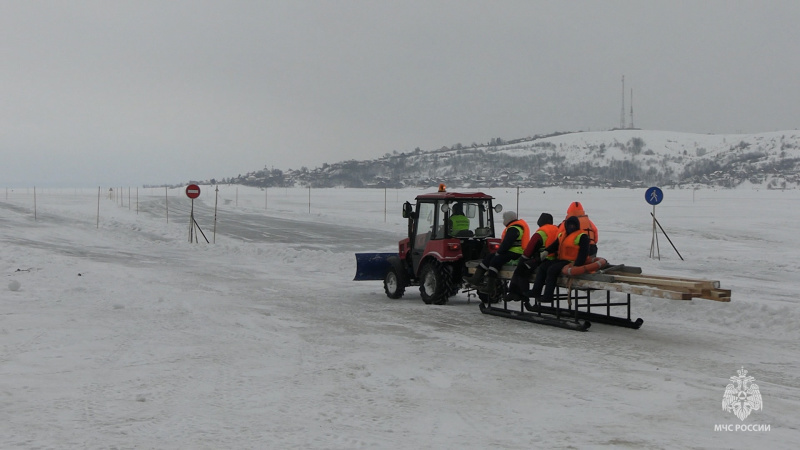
[{"x": 617, "y": 158}]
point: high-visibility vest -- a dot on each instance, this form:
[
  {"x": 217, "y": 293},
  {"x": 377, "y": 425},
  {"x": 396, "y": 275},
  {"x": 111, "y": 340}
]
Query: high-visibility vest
[
  {"x": 568, "y": 247},
  {"x": 524, "y": 235},
  {"x": 548, "y": 233},
  {"x": 587, "y": 226},
  {"x": 458, "y": 222}
]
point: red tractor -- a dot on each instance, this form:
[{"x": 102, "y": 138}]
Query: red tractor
[{"x": 445, "y": 230}]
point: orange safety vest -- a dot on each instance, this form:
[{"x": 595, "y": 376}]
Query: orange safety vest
[
  {"x": 587, "y": 226},
  {"x": 548, "y": 233},
  {"x": 524, "y": 232},
  {"x": 576, "y": 209},
  {"x": 568, "y": 247}
]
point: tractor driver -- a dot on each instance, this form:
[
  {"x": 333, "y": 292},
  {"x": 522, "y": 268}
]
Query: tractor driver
[
  {"x": 515, "y": 239},
  {"x": 458, "y": 221}
]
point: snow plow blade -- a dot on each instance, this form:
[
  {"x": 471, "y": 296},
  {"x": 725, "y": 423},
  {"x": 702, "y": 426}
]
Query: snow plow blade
[{"x": 372, "y": 266}]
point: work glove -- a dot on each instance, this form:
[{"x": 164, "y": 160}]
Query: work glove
[{"x": 543, "y": 255}]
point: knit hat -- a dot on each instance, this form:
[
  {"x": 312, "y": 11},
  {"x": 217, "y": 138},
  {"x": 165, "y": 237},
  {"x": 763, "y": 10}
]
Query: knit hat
[
  {"x": 572, "y": 224},
  {"x": 508, "y": 217},
  {"x": 545, "y": 219}
]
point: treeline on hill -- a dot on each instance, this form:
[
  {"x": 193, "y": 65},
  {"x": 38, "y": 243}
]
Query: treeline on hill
[{"x": 527, "y": 163}]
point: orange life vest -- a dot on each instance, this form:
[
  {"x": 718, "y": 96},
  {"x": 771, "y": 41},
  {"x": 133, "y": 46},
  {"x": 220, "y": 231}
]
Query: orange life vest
[
  {"x": 568, "y": 246},
  {"x": 587, "y": 226},
  {"x": 576, "y": 209}
]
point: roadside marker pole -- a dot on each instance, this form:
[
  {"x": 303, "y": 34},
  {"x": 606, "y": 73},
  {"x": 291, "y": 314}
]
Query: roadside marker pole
[{"x": 216, "y": 199}]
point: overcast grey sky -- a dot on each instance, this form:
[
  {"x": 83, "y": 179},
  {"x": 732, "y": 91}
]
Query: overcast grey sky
[{"x": 123, "y": 93}]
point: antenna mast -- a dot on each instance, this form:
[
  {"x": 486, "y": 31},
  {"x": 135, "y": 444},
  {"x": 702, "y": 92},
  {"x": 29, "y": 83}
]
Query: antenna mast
[
  {"x": 631, "y": 107},
  {"x": 622, "y": 113}
]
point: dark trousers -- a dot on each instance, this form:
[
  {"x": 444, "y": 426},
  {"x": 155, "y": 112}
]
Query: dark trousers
[
  {"x": 497, "y": 260},
  {"x": 520, "y": 280},
  {"x": 546, "y": 277}
]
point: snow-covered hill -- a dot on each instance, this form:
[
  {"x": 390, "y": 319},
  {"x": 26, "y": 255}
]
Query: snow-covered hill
[
  {"x": 632, "y": 156},
  {"x": 617, "y": 158}
]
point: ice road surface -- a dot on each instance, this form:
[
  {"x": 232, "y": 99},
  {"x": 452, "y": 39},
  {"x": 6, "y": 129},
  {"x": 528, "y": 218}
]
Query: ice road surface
[{"x": 122, "y": 334}]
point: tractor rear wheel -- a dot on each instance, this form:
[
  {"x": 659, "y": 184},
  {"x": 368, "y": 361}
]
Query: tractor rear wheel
[
  {"x": 433, "y": 283},
  {"x": 393, "y": 284}
]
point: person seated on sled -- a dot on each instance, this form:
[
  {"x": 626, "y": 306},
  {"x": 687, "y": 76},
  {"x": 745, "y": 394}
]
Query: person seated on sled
[
  {"x": 459, "y": 223},
  {"x": 572, "y": 246},
  {"x": 531, "y": 258},
  {"x": 514, "y": 239},
  {"x": 576, "y": 209}
]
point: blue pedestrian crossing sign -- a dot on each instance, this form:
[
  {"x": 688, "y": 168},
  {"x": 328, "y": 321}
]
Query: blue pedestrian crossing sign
[{"x": 654, "y": 195}]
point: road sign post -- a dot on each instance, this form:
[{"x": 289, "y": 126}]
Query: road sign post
[
  {"x": 654, "y": 196},
  {"x": 193, "y": 191}
]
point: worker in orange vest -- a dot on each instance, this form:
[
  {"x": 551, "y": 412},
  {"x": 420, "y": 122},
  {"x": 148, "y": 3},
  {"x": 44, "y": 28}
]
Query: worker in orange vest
[
  {"x": 513, "y": 242},
  {"x": 572, "y": 246},
  {"x": 544, "y": 236},
  {"x": 576, "y": 209}
]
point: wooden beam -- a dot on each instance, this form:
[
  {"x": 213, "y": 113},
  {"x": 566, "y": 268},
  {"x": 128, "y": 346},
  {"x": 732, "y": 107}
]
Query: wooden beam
[
  {"x": 647, "y": 291},
  {"x": 711, "y": 284},
  {"x": 633, "y": 282}
]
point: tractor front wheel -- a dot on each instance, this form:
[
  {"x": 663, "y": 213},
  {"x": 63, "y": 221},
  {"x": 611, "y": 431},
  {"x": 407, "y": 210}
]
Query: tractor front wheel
[
  {"x": 433, "y": 286},
  {"x": 393, "y": 284}
]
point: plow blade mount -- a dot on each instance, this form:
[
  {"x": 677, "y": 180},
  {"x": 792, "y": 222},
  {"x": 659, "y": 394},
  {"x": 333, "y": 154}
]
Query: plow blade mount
[{"x": 372, "y": 266}]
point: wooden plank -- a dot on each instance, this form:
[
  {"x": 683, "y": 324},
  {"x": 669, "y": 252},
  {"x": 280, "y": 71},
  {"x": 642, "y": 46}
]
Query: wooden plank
[
  {"x": 660, "y": 281},
  {"x": 719, "y": 295},
  {"x": 633, "y": 282},
  {"x": 711, "y": 284},
  {"x": 625, "y": 288}
]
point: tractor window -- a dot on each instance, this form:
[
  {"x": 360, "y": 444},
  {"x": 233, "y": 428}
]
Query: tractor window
[
  {"x": 470, "y": 210},
  {"x": 425, "y": 229},
  {"x": 468, "y": 218},
  {"x": 483, "y": 221}
]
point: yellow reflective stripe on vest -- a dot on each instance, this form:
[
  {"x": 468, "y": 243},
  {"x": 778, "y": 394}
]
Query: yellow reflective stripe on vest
[{"x": 517, "y": 247}]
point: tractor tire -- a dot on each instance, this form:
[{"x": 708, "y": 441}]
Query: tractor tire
[
  {"x": 453, "y": 280},
  {"x": 433, "y": 283},
  {"x": 394, "y": 284}
]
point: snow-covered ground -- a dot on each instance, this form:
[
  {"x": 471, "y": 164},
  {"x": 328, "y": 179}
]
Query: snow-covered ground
[{"x": 116, "y": 332}]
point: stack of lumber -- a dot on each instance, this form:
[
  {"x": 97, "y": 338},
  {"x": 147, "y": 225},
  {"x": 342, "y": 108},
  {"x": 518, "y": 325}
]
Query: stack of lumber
[{"x": 630, "y": 280}]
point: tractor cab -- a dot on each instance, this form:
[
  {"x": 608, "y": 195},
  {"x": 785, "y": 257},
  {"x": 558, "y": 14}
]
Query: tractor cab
[
  {"x": 445, "y": 230},
  {"x": 448, "y": 227}
]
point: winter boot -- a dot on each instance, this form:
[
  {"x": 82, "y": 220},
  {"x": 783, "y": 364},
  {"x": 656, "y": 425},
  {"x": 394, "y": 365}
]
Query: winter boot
[
  {"x": 476, "y": 277},
  {"x": 515, "y": 297},
  {"x": 491, "y": 284}
]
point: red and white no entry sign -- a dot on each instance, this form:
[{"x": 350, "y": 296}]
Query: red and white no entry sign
[{"x": 193, "y": 191}]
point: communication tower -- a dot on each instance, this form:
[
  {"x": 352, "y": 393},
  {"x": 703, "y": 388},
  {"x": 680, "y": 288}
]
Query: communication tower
[
  {"x": 631, "y": 107},
  {"x": 622, "y": 111}
]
